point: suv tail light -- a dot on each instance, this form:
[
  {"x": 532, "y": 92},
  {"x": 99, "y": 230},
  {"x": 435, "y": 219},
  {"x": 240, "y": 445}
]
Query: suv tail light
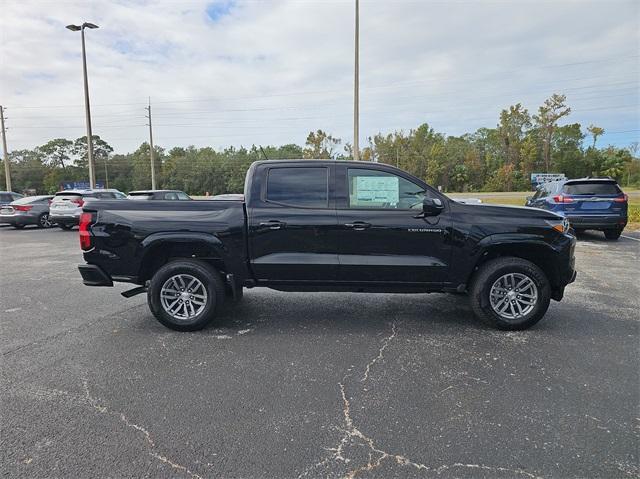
[
  {"x": 562, "y": 199},
  {"x": 22, "y": 207},
  {"x": 622, "y": 199},
  {"x": 78, "y": 201},
  {"x": 85, "y": 235}
]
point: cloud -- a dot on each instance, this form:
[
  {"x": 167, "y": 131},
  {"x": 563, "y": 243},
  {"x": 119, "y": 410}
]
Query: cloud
[{"x": 240, "y": 72}]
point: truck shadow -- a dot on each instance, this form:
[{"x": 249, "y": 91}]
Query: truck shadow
[{"x": 353, "y": 312}]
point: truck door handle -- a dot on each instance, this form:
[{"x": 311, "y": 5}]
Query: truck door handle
[
  {"x": 273, "y": 224},
  {"x": 358, "y": 225}
]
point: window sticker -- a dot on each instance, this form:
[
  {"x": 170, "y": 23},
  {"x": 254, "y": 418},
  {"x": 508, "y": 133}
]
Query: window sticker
[{"x": 377, "y": 189}]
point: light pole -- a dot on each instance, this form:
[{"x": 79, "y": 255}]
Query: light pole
[
  {"x": 356, "y": 89},
  {"x": 92, "y": 172}
]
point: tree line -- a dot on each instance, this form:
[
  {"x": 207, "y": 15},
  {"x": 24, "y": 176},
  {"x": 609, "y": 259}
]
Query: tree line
[{"x": 489, "y": 159}]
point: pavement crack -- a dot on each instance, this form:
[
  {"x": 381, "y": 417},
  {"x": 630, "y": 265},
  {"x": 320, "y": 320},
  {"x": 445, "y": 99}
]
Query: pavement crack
[
  {"x": 380, "y": 355},
  {"x": 95, "y": 404},
  {"x": 352, "y": 436}
]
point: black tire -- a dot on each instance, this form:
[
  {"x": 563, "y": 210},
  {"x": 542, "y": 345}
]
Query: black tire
[
  {"x": 612, "y": 235},
  {"x": 43, "y": 221},
  {"x": 209, "y": 278},
  {"x": 65, "y": 227},
  {"x": 18, "y": 226},
  {"x": 489, "y": 273}
]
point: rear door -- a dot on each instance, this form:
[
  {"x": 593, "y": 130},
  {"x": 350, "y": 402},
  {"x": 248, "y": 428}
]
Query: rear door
[{"x": 292, "y": 225}]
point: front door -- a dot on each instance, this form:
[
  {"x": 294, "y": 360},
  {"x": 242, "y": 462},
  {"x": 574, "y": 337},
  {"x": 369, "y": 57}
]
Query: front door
[
  {"x": 293, "y": 225},
  {"x": 383, "y": 236}
]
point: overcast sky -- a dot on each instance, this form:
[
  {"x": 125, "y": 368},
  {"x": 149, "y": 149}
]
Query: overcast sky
[{"x": 242, "y": 72}]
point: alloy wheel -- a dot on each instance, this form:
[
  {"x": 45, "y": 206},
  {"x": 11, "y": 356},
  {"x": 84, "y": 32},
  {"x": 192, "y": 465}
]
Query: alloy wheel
[
  {"x": 513, "y": 296},
  {"x": 45, "y": 222},
  {"x": 183, "y": 297}
]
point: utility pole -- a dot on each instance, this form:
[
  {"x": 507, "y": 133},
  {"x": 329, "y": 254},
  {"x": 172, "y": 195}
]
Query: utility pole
[
  {"x": 356, "y": 89},
  {"x": 87, "y": 111},
  {"x": 7, "y": 172},
  {"x": 151, "y": 152}
]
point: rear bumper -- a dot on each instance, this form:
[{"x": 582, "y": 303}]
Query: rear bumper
[
  {"x": 65, "y": 219},
  {"x": 93, "y": 275},
  {"x": 597, "y": 221}
]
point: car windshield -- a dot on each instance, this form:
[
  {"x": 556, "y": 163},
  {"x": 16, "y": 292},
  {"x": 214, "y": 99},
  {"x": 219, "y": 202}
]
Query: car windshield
[{"x": 592, "y": 188}]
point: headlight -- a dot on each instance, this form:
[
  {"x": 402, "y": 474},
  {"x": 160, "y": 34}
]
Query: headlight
[{"x": 561, "y": 225}]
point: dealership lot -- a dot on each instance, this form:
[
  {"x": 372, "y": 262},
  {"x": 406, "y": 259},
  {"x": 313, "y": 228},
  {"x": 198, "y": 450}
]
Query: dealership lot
[{"x": 315, "y": 385}]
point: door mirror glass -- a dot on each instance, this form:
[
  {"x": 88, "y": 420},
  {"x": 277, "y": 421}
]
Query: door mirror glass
[{"x": 432, "y": 206}]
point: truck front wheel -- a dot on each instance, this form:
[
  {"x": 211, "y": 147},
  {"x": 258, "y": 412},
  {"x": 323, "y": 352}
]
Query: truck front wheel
[
  {"x": 185, "y": 294},
  {"x": 510, "y": 293}
]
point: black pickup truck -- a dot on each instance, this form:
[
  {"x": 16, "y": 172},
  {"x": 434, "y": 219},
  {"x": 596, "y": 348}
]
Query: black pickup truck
[{"x": 313, "y": 225}]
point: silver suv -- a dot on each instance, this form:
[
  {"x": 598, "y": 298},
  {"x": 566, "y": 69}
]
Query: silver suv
[{"x": 66, "y": 206}]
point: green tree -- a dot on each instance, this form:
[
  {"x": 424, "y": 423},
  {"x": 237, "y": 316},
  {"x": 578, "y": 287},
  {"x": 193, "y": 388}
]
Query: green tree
[
  {"x": 57, "y": 152},
  {"x": 547, "y": 118},
  {"x": 320, "y": 145},
  {"x": 595, "y": 131}
]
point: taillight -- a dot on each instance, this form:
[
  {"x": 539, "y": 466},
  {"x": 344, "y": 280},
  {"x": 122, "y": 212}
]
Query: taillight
[
  {"x": 49, "y": 201},
  {"x": 622, "y": 199},
  {"x": 78, "y": 201},
  {"x": 85, "y": 235},
  {"x": 562, "y": 199},
  {"x": 22, "y": 207}
]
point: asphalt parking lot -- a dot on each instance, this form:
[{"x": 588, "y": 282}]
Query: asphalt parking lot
[{"x": 315, "y": 385}]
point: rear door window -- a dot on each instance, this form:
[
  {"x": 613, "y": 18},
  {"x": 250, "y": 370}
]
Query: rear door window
[
  {"x": 298, "y": 186},
  {"x": 592, "y": 188}
]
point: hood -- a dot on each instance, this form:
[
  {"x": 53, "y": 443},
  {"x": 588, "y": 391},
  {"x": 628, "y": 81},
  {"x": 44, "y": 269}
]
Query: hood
[{"x": 508, "y": 210}]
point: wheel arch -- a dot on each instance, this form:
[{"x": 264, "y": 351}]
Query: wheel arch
[
  {"x": 537, "y": 252},
  {"x": 161, "y": 248}
]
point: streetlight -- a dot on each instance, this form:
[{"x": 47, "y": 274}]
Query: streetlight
[
  {"x": 356, "y": 88},
  {"x": 92, "y": 173}
]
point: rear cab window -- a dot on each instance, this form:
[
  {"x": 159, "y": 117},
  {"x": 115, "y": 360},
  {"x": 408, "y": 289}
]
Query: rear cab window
[
  {"x": 592, "y": 188},
  {"x": 301, "y": 186}
]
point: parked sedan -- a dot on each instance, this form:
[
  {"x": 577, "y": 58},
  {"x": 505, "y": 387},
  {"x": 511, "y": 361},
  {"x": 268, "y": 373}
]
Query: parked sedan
[
  {"x": 588, "y": 204},
  {"x": 30, "y": 210},
  {"x": 171, "y": 195},
  {"x": 66, "y": 206}
]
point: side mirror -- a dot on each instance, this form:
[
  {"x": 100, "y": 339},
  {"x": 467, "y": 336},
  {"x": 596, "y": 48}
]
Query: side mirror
[{"x": 432, "y": 206}]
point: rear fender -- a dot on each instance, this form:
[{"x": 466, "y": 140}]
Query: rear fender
[{"x": 160, "y": 248}]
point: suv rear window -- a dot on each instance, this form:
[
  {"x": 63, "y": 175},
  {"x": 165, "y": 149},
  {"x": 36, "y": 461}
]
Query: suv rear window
[
  {"x": 66, "y": 197},
  {"x": 298, "y": 186},
  {"x": 592, "y": 188}
]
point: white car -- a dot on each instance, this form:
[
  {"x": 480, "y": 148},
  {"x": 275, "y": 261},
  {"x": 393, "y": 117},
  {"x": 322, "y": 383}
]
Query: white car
[{"x": 66, "y": 206}]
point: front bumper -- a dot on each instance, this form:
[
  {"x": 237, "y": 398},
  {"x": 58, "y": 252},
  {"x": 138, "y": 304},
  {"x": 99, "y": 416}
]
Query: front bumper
[
  {"x": 93, "y": 275},
  {"x": 565, "y": 267}
]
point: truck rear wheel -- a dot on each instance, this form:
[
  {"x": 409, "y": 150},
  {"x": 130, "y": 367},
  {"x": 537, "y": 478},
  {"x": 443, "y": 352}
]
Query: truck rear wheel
[
  {"x": 510, "y": 293},
  {"x": 184, "y": 295}
]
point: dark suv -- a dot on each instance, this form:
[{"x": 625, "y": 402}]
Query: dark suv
[{"x": 588, "y": 204}]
